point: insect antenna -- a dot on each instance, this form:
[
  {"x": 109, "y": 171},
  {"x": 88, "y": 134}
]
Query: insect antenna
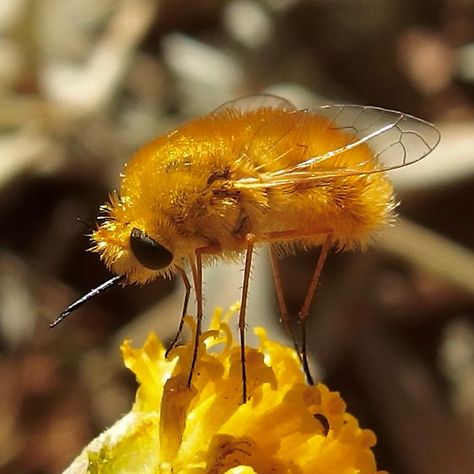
[
  {"x": 86, "y": 224},
  {"x": 87, "y": 297}
]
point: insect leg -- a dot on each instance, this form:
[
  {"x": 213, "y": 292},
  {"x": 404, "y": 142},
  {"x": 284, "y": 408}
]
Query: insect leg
[
  {"x": 196, "y": 268},
  {"x": 250, "y": 238},
  {"x": 187, "y": 286},
  {"x": 284, "y": 315},
  {"x": 300, "y": 234},
  {"x": 304, "y": 311}
]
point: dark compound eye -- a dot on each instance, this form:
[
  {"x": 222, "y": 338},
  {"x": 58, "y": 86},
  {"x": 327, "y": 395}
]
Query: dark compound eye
[{"x": 148, "y": 252}]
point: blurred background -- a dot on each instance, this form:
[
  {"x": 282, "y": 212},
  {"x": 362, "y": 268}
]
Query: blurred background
[{"x": 83, "y": 83}]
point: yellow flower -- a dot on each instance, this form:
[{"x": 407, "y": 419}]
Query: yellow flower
[{"x": 285, "y": 427}]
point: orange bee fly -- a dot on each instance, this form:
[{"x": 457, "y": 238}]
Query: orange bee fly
[{"x": 256, "y": 170}]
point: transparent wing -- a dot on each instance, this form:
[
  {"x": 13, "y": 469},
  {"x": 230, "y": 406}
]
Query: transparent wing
[
  {"x": 255, "y": 102},
  {"x": 281, "y": 141},
  {"x": 393, "y": 140}
]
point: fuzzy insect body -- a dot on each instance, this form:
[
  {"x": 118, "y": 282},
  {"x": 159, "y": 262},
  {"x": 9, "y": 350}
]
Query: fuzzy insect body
[
  {"x": 238, "y": 171},
  {"x": 254, "y": 171}
]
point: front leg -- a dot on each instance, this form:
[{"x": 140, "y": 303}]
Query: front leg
[
  {"x": 196, "y": 269},
  {"x": 187, "y": 287}
]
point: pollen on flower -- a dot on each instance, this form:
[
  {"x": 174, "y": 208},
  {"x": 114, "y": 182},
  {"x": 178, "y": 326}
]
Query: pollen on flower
[{"x": 286, "y": 426}]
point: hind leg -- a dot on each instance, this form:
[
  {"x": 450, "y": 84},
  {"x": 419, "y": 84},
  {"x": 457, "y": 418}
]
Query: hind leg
[{"x": 278, "y": 237}]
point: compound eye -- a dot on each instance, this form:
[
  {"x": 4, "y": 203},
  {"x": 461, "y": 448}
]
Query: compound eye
[{"x": 148, "y": 252}]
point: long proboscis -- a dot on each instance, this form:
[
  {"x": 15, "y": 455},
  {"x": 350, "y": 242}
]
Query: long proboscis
[{"x": 87, "y": 297}]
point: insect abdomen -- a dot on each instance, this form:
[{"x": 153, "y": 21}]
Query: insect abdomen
[{"x": 353, "y": 209}]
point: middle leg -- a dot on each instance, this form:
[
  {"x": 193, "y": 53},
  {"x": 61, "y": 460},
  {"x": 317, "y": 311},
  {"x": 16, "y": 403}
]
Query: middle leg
[{"x": 250, "y": 239}]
